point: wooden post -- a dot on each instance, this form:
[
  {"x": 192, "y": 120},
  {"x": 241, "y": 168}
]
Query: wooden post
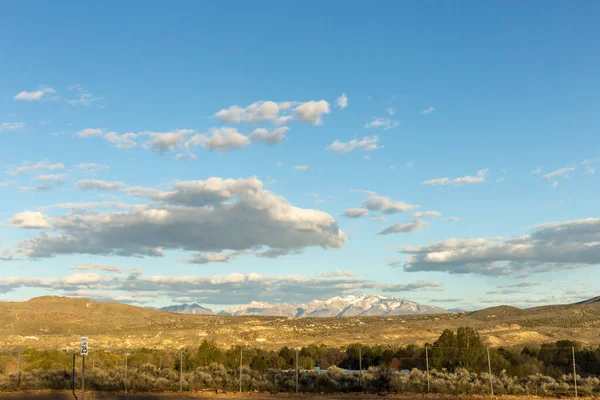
[
  {"x": 296, "y": 370},
  {"x": 490, "y": 371},
  {"x": 360, "y": 366},
  {"x": 574, "y": 371},
  {"x": 73, "y": 375},
  {"x": 126, "y": 372},
  {"x": 19, "y": 370},
  {"x": 82, "y": 377},
  {"x": 427, "y": 364},
  {"x": 181, "y": 371},
  {"x": 241, "y": 362}
]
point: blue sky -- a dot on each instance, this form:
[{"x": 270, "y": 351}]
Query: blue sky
[{"x": 453, "y": 107}]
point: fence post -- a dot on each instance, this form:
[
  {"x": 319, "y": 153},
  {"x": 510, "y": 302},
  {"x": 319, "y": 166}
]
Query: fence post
[
  {"x": 73, "y": 375},
  {"x": 82, "y": 377},
  {"x": 574, "y": 371},
  {"x": 360, "y": 366},
  {"x": 241, "y": 360},
  {"x": 490, "y": 371},
  {"x": 19, "y": 370},
  {"x": 181, "y": 371},
  {"x": 126, "y": 372},
  {"x": 296, "y": 370},
  {"x": 427, "y": 364}
]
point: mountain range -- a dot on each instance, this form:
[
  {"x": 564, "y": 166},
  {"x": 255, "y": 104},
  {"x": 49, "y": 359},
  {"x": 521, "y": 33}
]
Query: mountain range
[{"x": 340, "y": 306}]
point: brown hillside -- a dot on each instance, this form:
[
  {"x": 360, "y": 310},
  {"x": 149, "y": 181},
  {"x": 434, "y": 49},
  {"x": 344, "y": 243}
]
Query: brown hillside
[{"x": 57, "y": 322}]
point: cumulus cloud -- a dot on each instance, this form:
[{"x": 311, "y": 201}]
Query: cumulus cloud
[
  {"x": 97, "y": 184},
  {"x": 229, "y": 289},
  {"x": 383, "y": 123},
  {"x": 30, "y": 220},
  {"x": 92, "y": 168},
  {"x": 432, "y": 214},
  {"x": 35, "y": 95},
  {"x": 28, "y": 166},
  {"x": 368, "y": 143},
  {"x": 480, "y": 177},
  {"x": 12, "y": 126},
  {"x": 550, "y": 247},
  {"x": 220, "y": 139},
  {"x": 121, "y": 141},
  {"x": 414, "y": 226},
  {"x": 385, "y": 204},
  {"x": 117, "y": 205},
  {"x": 208, "y": 257},
  {"x": 200, "y": 216},
  {"x": 342, "y": 101},
  {"x": 270, "y": 138},
  {"x": 559, "y": 173},
  {"x": 312, "y": 112},
  {"x": 90, "y": 132},
  {"x": 355, "y": 212},
  {"x": 161, "y": 142},
  {"x": 428, "y": 110},
  {"x": 304, "y": 168},
  {"x": 51, "y": 177}
]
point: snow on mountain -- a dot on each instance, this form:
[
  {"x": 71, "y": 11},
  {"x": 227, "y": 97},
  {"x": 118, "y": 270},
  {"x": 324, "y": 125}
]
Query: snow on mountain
[
  {"x": 188, "y": 309},
  {"x": 339, "y": 306}
]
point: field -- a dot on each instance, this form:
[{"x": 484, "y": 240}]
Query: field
[{"x": 57, "y": 323}]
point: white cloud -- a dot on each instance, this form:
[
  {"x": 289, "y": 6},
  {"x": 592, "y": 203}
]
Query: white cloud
[
  {"x": 6, "y": 183},
  {"x": 30, "y": 220},
  {"x": 536, "y": 171},
  {"x": 35, "y": 95},
  {"x": 220, "y": 139},
  {"x": 208, "y": 257},
  {"x": 383, "y": 123},
  {"x": 90, "y": 132},
  {"x": 161, "y": 142},
  {"x": 270, "y": 138},
  {"x": 428, "y": 110},
  {"x": 335, "y": 274},
  {"x": 589, "y": 170},
  {"x": 84, "y": 97},
  {"x": 380, "y": 218},
  {"x": 342, "y": 101},
  {"x": 51, "y": 177},
  {"x": 28, "y": 166},
  {"x": 304, "y": 168},
  {"x": 554, "y": 184},
  {"x": 121, "y": 141},
  {"x": 113, "y": 269},
  {"x": 258, "y": 112},
  {"x": 312, "y": 112},
  {"x": 432, "y": 214},
  {"x": 355, "y": 212},
  {"x": 200, "y": 216},
  {"x": 550, "y": 247},
  {"x": 97, "y": 184},
  {"x": 385, "y": 204},
  {"x": 480, "y": 177},
  {"x": 453, "y": 219},
  {"x": 414, "y": 226},
  {"x": 92, "y": 168},
  {"x": 590, "y": 161},
  {"x": 410, "y": 164},
  {"x": 391, "y": 110},
  {"x": 368, "y": 143},
  {"x": 559, "y": 173},
  {"x": 501, "y": 179},
  {"x": 117, "y": 205},
  {"x": 12, "y": 126},
  {"x": 279, "y": 164}
]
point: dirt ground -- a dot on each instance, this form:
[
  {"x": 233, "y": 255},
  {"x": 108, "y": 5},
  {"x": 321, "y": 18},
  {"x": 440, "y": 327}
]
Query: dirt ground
[{"x": 63, "y": 395}]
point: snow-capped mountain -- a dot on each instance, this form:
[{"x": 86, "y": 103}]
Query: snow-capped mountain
[
  {"x": 340, "y": 306},
  {"x": 188, "y": 309}
]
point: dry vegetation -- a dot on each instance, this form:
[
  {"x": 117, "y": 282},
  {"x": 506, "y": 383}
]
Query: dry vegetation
[{"x": 57, "y": 323}]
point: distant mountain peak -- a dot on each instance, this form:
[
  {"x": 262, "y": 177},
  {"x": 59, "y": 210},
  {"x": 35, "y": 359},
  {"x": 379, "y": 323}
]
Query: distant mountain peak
[{"x": 194, "y": 308}]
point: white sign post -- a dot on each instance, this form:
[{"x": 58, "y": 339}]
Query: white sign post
[{"x": 83, "y": 347}]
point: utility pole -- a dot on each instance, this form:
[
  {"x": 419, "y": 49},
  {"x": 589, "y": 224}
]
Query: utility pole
[
  {"x": 427, "y": 364},
  {"x": 490, "y": 371},
  {"x": 296, "y": 370},
  {"x": 241, "y": 360},
  {"x": 574, "y": 371}
]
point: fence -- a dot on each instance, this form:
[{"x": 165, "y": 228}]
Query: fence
[{"x": 556, "y": 371}]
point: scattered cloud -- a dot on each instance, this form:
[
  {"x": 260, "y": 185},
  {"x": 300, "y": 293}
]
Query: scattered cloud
[
  {"x": 97, "y": 184},
  {"x": 379, "y": 218},
  {"x": 368, "y": 143},
  {"x": 589, "y": 170},
  {"x": 304, "y": 168},
  {"x": 520, "y": 285},
  {"x": 35, "y": 95},
  {"x": 550, "y": 247},
  {"x": 51, "y": 177},
  {"x": 554, "y": 184},
  {"x": 220, "y": 139},
  {"x": 28, "y": 166},
  {"x": 410, "y": 164},
  {"x": 90, "y": 132},
  {"x": 391, "y": 110},
  {"x": 383, "y": 123},
  {"x": 270, "y": 138},
  {"x": 480, "y": 177},
  {"x": 161, "y": 142},
  {"x": 83, "y": 96},
  {"x": 536, "y": 171},
  {"x": 453, "y": 219},
  {"x": 430, "y": 214},
  {"x": 501, "y": 179},
  {"x": 428, "y": 110},
  {"x": 385, "y": 204},
  {"x": 559, "y": 173},
  {"x": 121, "y": 141},
  {"x": 92, "y": 168},
  {"x": 275, "y": 113},
  {"x": 201, "y": 216},
  {"x": 12, "y": 126},
  {"x": 113, "y": 269},
  {"x": 336, "y": 274},
  {"x": 355, "y": 212},
  {"x": 312, "y": 112},
  {"x": 30, "y": 220},
  {"x": 342, "y": 101},
  {"x": 414, "y": 226}
]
